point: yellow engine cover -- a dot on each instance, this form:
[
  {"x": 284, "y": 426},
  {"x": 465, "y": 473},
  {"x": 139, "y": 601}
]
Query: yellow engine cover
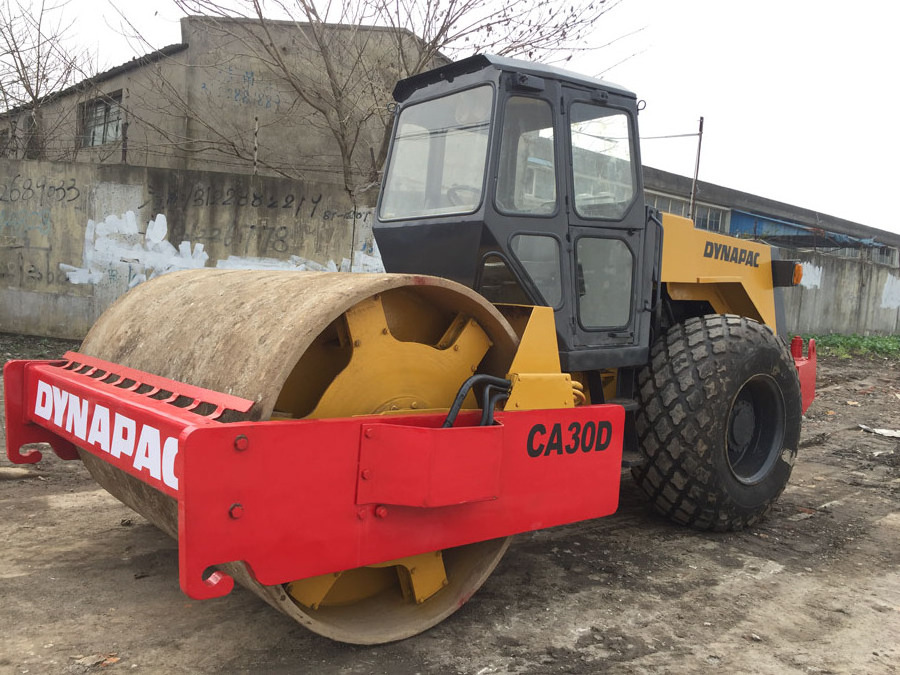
[{"x": 733, "y": 275}]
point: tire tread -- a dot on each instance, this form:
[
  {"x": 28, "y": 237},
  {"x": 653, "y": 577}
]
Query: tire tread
[{"x": 686, "y": 377}]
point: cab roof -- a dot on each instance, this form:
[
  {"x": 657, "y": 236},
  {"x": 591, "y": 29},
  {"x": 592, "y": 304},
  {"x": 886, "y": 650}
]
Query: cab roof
[{"x": 473, "y": 64}]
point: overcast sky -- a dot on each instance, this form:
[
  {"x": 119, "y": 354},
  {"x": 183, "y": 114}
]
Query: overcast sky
[{"x": 799, "y": 96}]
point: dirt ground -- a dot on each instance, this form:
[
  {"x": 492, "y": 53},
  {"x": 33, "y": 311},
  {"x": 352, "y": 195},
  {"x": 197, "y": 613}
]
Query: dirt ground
[{"x": 88, "y": 586}]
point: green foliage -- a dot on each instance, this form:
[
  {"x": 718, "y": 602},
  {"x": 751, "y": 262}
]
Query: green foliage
[{"x": 848, "y": 346}]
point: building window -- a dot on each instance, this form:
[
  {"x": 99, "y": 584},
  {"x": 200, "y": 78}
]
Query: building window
[
  {"x": 102, "y": 120},
  {"x": 888, "y": 256},
  {"x": 666, "y": 204},
  {"x": 706, "y": 217}
]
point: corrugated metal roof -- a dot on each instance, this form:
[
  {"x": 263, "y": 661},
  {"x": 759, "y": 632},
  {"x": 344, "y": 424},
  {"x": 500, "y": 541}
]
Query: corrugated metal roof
[{"x": 136, "y": 62}]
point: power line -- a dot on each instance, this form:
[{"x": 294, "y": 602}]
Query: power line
[{"x": 655, "y": 138}]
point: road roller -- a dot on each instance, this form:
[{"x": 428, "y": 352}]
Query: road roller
[{"x": 358, "y": 449}]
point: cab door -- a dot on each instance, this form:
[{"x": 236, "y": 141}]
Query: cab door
[
  {"x": 607, "y": 234},
  {"x": 527, "y": 221}
]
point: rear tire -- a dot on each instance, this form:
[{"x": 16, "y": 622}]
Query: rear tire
[{"x": 719, "y": 422}]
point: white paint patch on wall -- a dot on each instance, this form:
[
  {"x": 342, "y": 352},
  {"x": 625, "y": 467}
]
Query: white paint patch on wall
[
  {"x": 890, "y": 296},
  {"x": 368, "y": 262},
  {"x": 812, "y": 276},
  {"x": 295, "y": 263},
  {"x": 115, "y": 247},
  {"x": 362, "y": 262},
  {"x": 116, "y": 253}
]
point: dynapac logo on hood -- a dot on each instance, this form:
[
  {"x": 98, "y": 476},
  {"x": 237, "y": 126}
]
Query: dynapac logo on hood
[
  {"x": 115, "y": 434},
  {"x": 735, "y": 254}
]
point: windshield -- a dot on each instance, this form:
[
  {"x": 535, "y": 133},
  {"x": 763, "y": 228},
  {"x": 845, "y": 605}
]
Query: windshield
[{"x": 438, "y": 160}]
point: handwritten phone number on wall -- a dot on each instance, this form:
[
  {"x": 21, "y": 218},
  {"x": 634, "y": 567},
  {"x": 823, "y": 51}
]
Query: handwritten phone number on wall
[
  {"x": 202, "y": 196},
  {"x": 27, "y": 189},
  {"x": 267, "y": 238}
]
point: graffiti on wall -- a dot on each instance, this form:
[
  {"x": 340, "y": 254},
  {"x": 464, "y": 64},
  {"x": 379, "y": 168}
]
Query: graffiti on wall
[
  {"x": 295, "y": 202},
  {"x": 41, "y": 191},
  {"x": 72, "y": 240},
  {"x": 26, "y": 203},
  {"x": 20, "y": 223},
  {"x": 27, "y": 268},
  {"x": 30, "y": 203},
  {"x": 242, "y": 87}
]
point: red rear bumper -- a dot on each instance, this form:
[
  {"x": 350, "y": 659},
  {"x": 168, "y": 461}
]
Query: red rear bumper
[{"x": 806, "y": 369}]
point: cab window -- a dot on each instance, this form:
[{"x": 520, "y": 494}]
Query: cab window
[
  {"x": 526, "y": 179},
  {"x": 603, "y": 173},
  {"x": 604, "y": 277},
  {"x": 539, "y": 255}
]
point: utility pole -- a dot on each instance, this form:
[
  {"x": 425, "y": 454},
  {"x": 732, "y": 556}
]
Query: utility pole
[{"x": 696, "y": 172}]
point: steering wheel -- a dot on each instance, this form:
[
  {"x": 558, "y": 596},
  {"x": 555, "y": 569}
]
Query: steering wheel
[{"x": 457, "y": 195}]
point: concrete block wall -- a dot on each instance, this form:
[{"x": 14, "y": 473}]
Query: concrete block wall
[
  {"x": 843, "y": 295},
  {"x": 74, "y": 237}
]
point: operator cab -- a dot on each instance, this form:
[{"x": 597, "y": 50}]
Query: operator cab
[{"x": 524, "y": 183}]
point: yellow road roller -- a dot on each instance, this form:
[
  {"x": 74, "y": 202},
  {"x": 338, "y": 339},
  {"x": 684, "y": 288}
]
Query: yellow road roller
[{"x": 358, "y": 449}]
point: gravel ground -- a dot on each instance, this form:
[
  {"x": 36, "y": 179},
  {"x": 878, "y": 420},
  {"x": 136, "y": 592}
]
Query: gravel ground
[{"x": 88, "y": 586}]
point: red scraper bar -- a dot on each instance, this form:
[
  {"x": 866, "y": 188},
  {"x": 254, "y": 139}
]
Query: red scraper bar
[
  {"x": 130, "y": 418},
  {"x": 300, "y": 498}
]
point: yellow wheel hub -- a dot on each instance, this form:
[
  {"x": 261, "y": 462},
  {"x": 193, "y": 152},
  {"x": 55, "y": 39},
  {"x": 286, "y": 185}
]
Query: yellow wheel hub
[
  {"x": 385, "y": 374},
  {"x": 419, "y": 577},
  {"x": 378, "y": 373}
]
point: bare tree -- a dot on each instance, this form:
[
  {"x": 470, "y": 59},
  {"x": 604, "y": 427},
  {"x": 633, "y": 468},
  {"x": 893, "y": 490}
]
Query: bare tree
[
  {"x": 37, "y": 59},
  {"x": 337, "y": 61}
]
